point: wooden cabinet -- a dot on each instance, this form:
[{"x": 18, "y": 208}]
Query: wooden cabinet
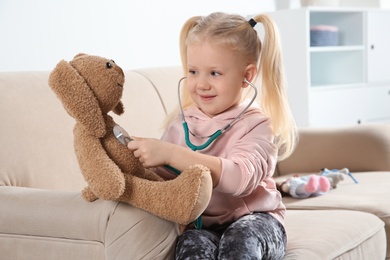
[{"x": 337, "y": 85}]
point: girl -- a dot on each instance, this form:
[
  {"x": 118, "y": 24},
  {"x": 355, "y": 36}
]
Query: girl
[{"x": 221, "y": 54}]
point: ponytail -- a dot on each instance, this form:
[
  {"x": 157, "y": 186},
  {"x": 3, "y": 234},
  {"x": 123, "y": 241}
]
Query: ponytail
[{"x": 274, "y": 99}]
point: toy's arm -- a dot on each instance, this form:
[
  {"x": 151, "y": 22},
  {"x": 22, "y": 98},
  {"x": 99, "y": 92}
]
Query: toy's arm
[{"x": 104, "y": 177}]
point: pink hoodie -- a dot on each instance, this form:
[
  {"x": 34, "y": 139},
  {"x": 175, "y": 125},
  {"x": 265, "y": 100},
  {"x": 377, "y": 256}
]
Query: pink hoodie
[{"x": 248, "y": 158}]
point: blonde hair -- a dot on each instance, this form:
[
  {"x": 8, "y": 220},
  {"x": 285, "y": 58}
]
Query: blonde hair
[{"x": 236, "y": 33}]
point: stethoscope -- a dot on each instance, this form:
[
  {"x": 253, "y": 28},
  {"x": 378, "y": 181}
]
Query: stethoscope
[
  {"x": 124, "y": 138},
  {"x": 216, "y": 134}
]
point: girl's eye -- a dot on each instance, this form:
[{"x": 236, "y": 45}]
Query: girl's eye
[
  {"x": 192, "y": 72},
  {"x": 214, "y": 73}
]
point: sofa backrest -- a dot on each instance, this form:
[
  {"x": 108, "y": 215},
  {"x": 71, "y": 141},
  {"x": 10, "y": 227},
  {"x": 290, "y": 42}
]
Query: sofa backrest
[
  {"x": 359, "y": 148},
  {"x": 37, "y": 134}
]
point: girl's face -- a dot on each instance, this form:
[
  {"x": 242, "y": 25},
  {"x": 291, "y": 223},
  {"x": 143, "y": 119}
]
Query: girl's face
[{"x": 215, "y": 78}]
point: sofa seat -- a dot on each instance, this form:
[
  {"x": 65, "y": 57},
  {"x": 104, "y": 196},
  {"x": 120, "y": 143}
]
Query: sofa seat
[
  {"x": 369, "y": 195},
  {"x": 330, "y": 234},
  {"x": 64, "y": 226}
]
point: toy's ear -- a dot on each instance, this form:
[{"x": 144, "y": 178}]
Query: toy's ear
[
  {"x": 77, "y": 98},
  {"x": 119, "y": 109},
  {"x": 79, "y": 55}
]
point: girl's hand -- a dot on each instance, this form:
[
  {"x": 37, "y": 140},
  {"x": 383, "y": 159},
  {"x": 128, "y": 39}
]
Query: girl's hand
[
  {"x": 150, "y": 152},
  {"x": 154, "y": 152}
]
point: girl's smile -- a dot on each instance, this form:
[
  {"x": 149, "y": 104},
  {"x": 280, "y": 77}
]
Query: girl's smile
[{"x": 207, "y": 98}]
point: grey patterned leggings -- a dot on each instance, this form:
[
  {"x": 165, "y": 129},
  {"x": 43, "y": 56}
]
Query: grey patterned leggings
[{"x": 255, "y": 236}]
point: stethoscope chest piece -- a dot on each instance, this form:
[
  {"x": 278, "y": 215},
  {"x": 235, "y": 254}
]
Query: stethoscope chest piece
[{"x": 121, "y": 135}]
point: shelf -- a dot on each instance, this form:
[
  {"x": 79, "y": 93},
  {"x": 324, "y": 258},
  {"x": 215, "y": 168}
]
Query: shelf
[
  {"x": 353, "y": 73},
  {"x": 337, "y": 86},
  {"x": 349, "y": 24},
  {"x": 337, "y": 67},
  {"x": 343, "y": 64},
  {"x": 337, "y": 48}
]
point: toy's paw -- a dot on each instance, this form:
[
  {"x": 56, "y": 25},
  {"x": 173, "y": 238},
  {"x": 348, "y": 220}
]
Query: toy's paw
[
  {"x": 312, "y": 184},
  {"x": 109, "y": 188},
  {"x": 88, "y": 195},
  {"x": 324, "y": 184},
  {"x": 181, "y": 200},
  {"x": 200, "y": 177}
]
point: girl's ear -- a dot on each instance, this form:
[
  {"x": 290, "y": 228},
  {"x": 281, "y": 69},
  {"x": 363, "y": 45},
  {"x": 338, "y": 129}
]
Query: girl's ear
[
  {"x": 77, "y": 98},
  {"x": 250, "y": 73}
]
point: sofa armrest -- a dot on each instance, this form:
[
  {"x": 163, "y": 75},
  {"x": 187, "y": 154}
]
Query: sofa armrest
[
  {"x": 113, "y": 230},
  {"x": 358, "y": 148}
]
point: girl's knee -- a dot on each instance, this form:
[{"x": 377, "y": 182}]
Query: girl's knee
[
  {"x": 254, "y": 236},
  {"x": 197, "y": 244}
]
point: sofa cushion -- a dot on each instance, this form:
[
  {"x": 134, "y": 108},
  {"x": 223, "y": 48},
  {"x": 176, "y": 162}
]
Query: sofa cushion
[
  {"x": 37, "y": 135},
  {"x": 165, "y": 80},
  {"x": 334, "y": 234},
  {"x": 370, "y": 195},
  {"x": 46, "y": 224}
]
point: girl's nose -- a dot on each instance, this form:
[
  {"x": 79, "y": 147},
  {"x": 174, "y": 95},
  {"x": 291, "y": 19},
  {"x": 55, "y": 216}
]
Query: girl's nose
[{"x": 203, "y": 84}]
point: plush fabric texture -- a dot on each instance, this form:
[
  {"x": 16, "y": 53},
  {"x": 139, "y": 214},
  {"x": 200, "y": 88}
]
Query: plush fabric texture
[{"x": 89, "y": 87}]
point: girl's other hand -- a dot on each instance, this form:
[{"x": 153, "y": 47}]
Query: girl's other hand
[{"x": 150, "y": 152}]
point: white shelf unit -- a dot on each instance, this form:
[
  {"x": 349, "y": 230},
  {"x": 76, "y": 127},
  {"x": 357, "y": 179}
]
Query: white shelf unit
[{"x": 337, "y": 85}]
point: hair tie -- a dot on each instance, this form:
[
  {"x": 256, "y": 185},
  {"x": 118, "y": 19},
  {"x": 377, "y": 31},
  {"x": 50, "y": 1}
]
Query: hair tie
[{"x": 252, "y": 22}]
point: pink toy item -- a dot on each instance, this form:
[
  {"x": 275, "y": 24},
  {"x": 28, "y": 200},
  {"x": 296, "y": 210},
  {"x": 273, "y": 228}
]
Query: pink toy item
[
  {"x": 305, "y": 186},
  {"x": 335, "y": 176}
]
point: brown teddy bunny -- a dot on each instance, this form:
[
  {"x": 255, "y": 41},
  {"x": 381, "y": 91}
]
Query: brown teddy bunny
[{"x": 89, "y": 87}]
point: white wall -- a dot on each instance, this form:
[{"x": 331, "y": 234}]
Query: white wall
[{"x": 35, "y": 35}]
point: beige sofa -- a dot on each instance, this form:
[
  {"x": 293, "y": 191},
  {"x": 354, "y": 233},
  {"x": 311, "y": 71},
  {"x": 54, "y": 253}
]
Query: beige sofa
[{"x": 42, "y": 215}]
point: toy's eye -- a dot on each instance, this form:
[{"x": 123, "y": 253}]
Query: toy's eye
[{"x": 108, "y": 65}]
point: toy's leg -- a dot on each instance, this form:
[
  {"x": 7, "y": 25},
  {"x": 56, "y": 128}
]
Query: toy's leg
[
  {"x": 88, "y": 195},
  {"x": 150, "y": 175},
  {"x": 312, "y": 184},
  {"x": 297, "y": 188},
  {"x": 324, "y": 184},
  {"x": 181, "y": 200}
]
